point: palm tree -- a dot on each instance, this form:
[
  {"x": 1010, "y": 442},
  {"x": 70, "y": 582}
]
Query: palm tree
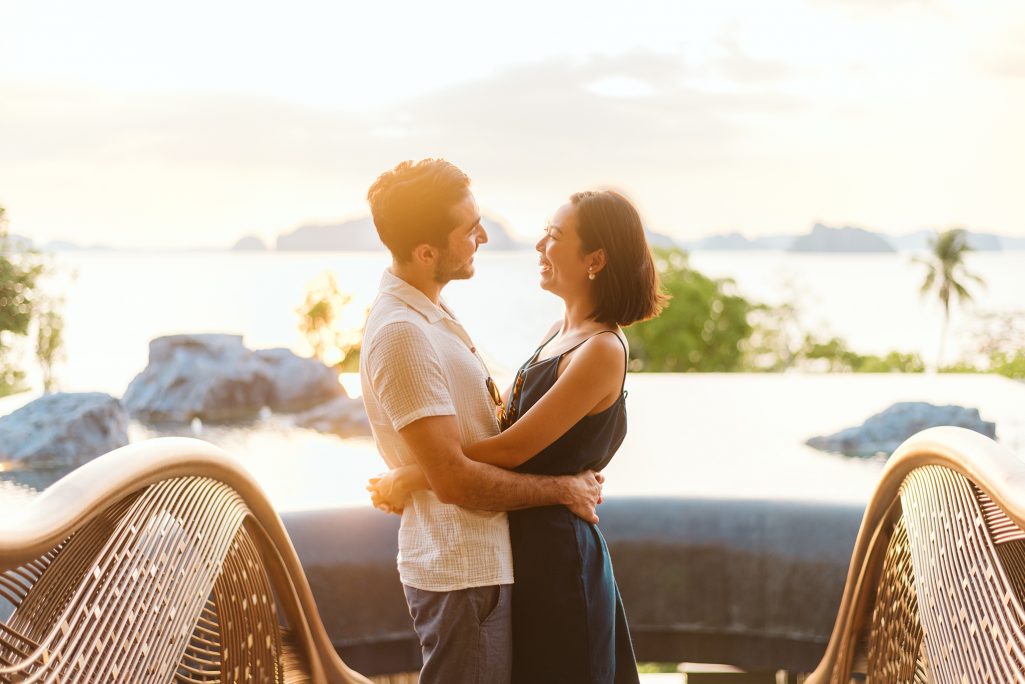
[{"x": 946, "y": 274}]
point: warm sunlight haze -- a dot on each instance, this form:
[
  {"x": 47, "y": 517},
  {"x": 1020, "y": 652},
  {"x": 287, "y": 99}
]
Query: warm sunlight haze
[
  {"x": 533, "y": 342},
  {"x": 196, "y": 124}
]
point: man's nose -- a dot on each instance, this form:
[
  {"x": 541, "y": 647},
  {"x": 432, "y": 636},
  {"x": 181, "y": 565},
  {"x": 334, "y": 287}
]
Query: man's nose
[
  {"x": 540, "y": 245},
  {"x": 482, "y": 235}
]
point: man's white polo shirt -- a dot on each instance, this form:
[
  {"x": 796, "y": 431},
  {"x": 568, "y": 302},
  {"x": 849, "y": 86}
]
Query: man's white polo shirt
[{"x": 416, "y": 361}]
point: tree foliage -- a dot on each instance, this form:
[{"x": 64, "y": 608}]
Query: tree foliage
[
  {"x": 708, "y": 327},
  {"x": 701, "y": 328},
  {"x": 838, "y": 358},
  {"x": 947, "y": 275},
  {"x": 321, "y": 323},
  {"x": 999, "y": 339},
  {"x": 20, "y": 272}
]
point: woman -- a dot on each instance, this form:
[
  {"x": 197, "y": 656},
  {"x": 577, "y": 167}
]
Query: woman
[{"x": 566, "y": 413}]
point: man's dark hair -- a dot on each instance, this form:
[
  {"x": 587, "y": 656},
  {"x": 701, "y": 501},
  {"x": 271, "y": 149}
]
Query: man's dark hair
[
  {"x": 627, "y": 290},
  {"x": 411, "y": 204}
]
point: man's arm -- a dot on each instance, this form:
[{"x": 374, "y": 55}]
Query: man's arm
[{"x": 455, "y": 479}]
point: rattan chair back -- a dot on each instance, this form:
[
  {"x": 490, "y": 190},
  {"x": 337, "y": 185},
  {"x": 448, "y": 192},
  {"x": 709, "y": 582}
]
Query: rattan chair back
[
  {"x": 936, "y": 588},
  {"x": 159, "y": 562}
]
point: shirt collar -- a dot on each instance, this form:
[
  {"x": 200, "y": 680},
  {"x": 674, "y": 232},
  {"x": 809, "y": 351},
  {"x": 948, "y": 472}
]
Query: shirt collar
[{"x": 413, "y": 298}]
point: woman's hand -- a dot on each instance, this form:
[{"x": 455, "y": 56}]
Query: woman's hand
[
  {"x": 387, "y": 493},
  {"x": 390, "y": 491}
]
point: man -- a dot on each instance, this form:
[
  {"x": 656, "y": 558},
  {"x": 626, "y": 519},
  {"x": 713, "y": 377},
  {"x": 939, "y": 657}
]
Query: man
[{"x": 427, "y": 393}]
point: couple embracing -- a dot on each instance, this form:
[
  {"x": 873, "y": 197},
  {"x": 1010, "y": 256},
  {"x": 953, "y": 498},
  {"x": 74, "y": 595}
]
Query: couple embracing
[{"x": 507, "y": 577}]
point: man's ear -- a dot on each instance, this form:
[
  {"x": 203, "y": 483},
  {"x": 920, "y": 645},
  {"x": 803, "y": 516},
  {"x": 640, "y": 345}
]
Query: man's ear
[
  {"x": 596, "y": 261},
  {"x": 425, "y": 254}
]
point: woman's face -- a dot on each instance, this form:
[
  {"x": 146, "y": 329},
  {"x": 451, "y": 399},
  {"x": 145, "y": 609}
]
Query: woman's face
[{"x": 562, "y": 261}]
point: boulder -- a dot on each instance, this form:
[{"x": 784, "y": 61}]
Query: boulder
[
  {"x": 297, "y": 383},
  {"x": 884, "y": 432},
  {"x": 341, "y": 416},
  {"x": 216, "y": 378},
  {"x": 63, "y": 430}
]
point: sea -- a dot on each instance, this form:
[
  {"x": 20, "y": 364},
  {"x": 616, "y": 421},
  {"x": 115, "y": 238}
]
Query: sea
[{"x": 716, "y": 435}]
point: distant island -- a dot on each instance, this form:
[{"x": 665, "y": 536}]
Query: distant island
[
  {"x": 737, "y": 242},
  {"x": 360, "y": 235},
  {"x": 249, "y": 243},
  {"x": 823, "y": 238}
]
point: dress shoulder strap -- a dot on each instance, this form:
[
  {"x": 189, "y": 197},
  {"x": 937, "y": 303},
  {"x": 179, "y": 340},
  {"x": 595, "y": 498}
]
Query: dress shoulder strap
[
  {"x": 626, "y": 354},
  {"x": 533, "y": 357},
  {"x": 541, "y": 346}
]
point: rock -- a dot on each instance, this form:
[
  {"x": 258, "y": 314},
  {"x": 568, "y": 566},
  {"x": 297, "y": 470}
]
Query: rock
[
  {"x": 249, "y": 243},
  {"x": 63, "y": 430},
  {"x": 216, "y": 378},
  {"x": 342, "y": 416},
  {"x": 297, "y": 383},
  {"x": 884, "y": 432}
]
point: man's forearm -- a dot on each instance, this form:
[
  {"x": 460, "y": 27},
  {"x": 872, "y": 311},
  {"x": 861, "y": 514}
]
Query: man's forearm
[{"x": 488, "y": 488}]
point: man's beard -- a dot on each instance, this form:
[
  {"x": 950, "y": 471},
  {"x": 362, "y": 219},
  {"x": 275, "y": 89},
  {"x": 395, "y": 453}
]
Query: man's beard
[{"x": 448, "y": 268}]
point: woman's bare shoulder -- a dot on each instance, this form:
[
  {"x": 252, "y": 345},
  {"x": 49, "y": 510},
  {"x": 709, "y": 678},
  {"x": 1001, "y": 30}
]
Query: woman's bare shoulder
[{"x": 602, "y": 353}]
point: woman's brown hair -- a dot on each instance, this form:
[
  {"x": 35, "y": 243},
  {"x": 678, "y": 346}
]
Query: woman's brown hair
[{"x": 627, "y": 290}]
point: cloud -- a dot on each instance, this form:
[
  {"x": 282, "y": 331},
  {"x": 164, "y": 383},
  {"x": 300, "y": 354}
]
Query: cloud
[
  {"x": 1004, "y": 54},
  {"x": 189, "y": 164},
  {"x": 882, "y": 4},
  {"x": 1008, "y": 67},
  {"x": 547, "y": 119},
  {"x": 739, "y": 67}
]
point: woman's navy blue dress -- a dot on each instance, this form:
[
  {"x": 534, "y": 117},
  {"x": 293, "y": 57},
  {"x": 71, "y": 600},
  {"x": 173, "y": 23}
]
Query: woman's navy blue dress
[{"x": 568, "y": 619}]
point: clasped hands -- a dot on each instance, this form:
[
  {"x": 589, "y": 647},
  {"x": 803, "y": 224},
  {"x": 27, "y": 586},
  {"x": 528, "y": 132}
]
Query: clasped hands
[{"x": 387, "y": 493}]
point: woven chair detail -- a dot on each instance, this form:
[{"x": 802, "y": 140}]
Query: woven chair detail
[
  {"x": 159, "y": 562},
  {"x": 937, "y": 580}
]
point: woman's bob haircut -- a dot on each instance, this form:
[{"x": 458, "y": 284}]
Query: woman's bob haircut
[{"x": 627, "y": 290}]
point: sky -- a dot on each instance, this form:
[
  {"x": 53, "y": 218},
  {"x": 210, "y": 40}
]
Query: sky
[{"x": 195, "y": 123}]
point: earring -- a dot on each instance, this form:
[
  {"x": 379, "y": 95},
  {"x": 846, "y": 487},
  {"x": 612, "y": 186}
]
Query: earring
[{"x": 590, "y": 275}]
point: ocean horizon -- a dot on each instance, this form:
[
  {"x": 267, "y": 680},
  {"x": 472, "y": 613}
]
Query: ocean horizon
[{"x": 731, "y": 434}]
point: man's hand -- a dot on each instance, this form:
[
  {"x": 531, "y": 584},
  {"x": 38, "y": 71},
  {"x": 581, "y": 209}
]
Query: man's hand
[{"x": 583, "y": 494}]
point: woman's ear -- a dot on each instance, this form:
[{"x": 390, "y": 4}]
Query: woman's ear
[{"x": 596, "y": 261}]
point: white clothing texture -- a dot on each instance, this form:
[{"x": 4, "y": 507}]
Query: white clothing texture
[{"x": 416, "y": 361}]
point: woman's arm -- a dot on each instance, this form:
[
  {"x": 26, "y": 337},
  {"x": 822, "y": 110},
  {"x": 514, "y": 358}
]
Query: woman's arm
[
  {"x": 585, "y": 382},
  {"x": 592, "y": 375}
]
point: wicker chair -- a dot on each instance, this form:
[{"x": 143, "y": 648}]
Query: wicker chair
[
  {"x": 936, "y": 587},
  {"x": 158, "y": 562}
]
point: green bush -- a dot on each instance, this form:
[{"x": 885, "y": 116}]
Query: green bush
[
  {"x": 701, "y": 328},
  {"x": 708, "y": 327},
  {"x": 1010, "y": 364},
  {"x": 839, "y": 358},
  {"x": 20, "y": 270}
]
